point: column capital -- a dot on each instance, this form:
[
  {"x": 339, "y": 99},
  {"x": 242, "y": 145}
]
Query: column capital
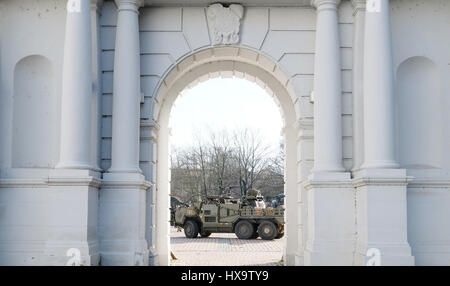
[
  {"x": 325, "y": 4},
  {"x": 130, "y": 5},
  {"x": 358, "y": 6}
]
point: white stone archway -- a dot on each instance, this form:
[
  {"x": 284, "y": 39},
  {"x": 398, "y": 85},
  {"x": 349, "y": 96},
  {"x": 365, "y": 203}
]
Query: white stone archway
[
  {"x": 360, "y": 182},
  {"x": 210, "y": 63}
]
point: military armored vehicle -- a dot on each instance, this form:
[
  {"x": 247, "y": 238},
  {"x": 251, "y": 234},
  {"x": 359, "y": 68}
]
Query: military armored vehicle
[
  {"x": 174, "y": 203},
  {"x": 247, "y": 217},
  {"x": 278, "y": 200}
]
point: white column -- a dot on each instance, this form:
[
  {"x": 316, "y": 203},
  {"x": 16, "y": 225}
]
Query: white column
[
  {"x": 126, "y": 91},
  {"x": 75, "y": 140},
  {"x": 379, "y": 131},
  {"x": 72, "y": 201},
  {"x": 330, "y": 198},
  {"x": 123, "y": 195},
  {"x": 359, "y": 7},
  {"x": 327, "y": 90},
  {"x": 381, "y": 196}
]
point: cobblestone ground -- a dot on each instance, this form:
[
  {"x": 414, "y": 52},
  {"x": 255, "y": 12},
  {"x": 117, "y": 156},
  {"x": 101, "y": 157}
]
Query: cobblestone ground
[{"x": 224, "y": 249}]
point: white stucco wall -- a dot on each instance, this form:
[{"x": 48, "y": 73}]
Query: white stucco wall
[
  {"x": 32, "y": 41},
  {"x": 421, "y": 62}
]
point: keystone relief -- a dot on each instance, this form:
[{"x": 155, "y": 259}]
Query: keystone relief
[{"x": 224, "y": 23}]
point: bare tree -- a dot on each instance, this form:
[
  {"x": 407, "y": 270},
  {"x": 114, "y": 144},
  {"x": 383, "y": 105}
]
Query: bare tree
[
  {"x": 201, "y": 159},
  {"x": 185, "y": 175},
  {"x": 271, "y": 181},
  {"x": 220, "y": 159},
  {"x": 224, "y": 160},
  {"x": 251, "y": 156}
]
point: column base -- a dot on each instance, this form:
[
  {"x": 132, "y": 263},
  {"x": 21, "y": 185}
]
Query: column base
[
  {"x": 379, "y": 165},
  {"x": 163, "y": 254},
  {"x": 66, "y": 253},
  {"x": 153, "y": 257},
  {"x": 72, "y": 213},
  {"x": 21, "y": 253},
  {"x": 290, "y": 240},
  {"x": 434, "y": 253},
  {"x": 299, "y": 258},
  {"x": 331, "y": 219},
  {"x": 390, "y": 255},
  {"x": 328, "y": 255},
  {"x": 289, "y": 259},
  {"x": 122, "y": 220},
  {"x": 381, "y": 217},
  {"x": 124, "y": 253},
  {"x": 74, "y": 166},
  {"x": 150, "y": 229}
]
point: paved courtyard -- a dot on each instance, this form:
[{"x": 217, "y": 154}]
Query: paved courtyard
[{"x": 224, "y": 249}]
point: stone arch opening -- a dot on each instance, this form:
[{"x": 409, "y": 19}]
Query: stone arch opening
[
  {"x": 215, "y": 62},
  {"x": 221, "y": 107}
]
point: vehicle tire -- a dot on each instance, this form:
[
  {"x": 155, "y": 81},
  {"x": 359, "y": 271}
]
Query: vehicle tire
[
  {"x": 267, "y": 230},
  {"x": 244, "y": 229},
  {"x": 279, "y": 235},
  {"x": 190, "y": 229},
  {"x": 205, "y": 234}
]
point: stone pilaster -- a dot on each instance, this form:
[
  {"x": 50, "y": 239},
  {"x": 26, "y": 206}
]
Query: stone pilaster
[
  {"x": 381, "y": 186},
  {"x": 150, "y": 130},
  {"x": 359, "y": 8},
  {"x": 73, "y": 185},
  {"x": 330, "y": 197},
  {"x": 290, "y": 133},
  {"x": 123, "y": 194}
]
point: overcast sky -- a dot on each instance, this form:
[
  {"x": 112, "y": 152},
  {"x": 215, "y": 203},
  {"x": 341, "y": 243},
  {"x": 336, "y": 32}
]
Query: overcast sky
[{"x": 219, "y": 104}]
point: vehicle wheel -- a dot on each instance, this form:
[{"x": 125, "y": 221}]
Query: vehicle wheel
[
  {"x": 244, "y": 230},
  {"x": 267, "y": 230},
  {"x": 205, "y": 234},
  {"x": 190, "y": 229},
  {"x": 279, "y": 235}
]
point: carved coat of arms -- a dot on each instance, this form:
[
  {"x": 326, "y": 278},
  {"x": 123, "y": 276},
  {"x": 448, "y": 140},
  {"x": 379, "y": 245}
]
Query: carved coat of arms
[{"x": 225, "y": 23}]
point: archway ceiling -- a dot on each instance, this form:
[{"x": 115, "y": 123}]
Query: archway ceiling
[{"x": 266, "y": 3}]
